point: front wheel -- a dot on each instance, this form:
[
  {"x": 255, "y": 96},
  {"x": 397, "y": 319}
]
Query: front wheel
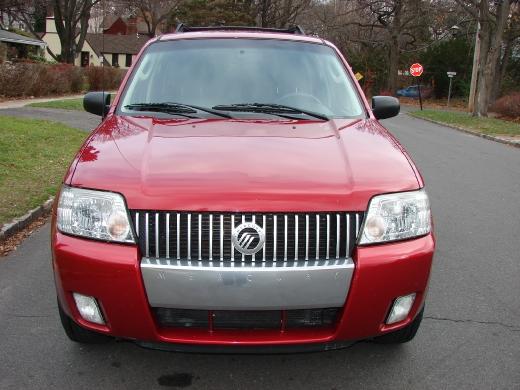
[
  {"x": 402, "y": 335},
  {"x": 77, "y": 333}
]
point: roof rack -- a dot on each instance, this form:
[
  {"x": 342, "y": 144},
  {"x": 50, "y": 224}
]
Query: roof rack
[{"x": 182, "y": 28}]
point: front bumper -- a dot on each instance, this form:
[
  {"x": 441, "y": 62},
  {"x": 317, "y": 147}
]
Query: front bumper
[{"x": 112, "y": 274}]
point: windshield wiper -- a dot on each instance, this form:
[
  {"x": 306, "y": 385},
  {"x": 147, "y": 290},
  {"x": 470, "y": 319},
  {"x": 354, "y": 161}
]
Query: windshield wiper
[
  {"x": 174, "y": 108},
  {"x": 269, "y": 108}
]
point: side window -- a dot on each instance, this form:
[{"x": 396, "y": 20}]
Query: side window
[{"x": 115, "y": 59}]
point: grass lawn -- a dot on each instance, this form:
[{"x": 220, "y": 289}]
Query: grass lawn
[
  {"x": 34, "y": 156},
  {"x": 466, "y": 121},
  {"x": 65, "y": 104}
]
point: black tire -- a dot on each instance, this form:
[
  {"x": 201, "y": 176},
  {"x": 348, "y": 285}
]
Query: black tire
[
  {"x": 402, "y": 335},
  {"x": 78, "y": 334}
]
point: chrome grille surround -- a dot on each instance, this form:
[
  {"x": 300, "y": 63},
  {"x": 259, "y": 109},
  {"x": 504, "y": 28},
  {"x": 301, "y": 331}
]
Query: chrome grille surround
[{"x": 206, "y": 236}]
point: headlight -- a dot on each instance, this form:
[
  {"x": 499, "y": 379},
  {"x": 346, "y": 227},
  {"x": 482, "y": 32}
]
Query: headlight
[
  {"x": 398, "y": 216},
  {"x": 94, "y": 214}
]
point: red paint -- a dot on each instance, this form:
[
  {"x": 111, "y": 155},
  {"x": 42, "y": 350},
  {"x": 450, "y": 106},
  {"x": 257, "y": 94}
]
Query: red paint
[
  {"x": 227, "y": 165},
  {"x": 118, "y": 27},
  {"x": 416, "y": 70},
  {"x": 241, "y": 165}
]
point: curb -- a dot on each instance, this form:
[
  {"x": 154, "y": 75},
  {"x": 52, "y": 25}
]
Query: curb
[
  {"x": 18, "y": 224},
  {"x": 476, "y": 133}
]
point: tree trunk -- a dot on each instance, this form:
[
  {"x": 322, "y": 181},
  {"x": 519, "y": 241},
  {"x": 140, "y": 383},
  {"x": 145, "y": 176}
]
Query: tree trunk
[
  {"x": 502, "y": 65},
  {"x": 484, "y": 37},
  {"x": 394, "y": 49},
  {"x": 488, "y": 65},
  {"x": 393, "y": 66}
]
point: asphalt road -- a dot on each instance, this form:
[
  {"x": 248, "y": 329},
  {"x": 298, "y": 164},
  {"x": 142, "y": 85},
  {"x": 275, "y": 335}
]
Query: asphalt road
[
  {"x": 470, "y": 338},
  {"x": 78, "y": 119}
]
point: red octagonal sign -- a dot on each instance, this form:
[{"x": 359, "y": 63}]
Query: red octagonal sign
[{"x": 416, "y": 70}]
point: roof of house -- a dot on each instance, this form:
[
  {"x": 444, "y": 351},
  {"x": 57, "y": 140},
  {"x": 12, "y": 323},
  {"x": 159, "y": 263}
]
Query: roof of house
[
  {"x": 122, "y": 44},
  {"x": 8, "y": 36},
  {"x": 108, "y": 21}
]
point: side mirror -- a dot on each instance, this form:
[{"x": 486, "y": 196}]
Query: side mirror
[
  {"x": 385, "y": 106},
  {"x": 97, "y": 103}
]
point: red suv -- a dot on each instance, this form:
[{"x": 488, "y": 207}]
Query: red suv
[{"x": 240, "y": 195}]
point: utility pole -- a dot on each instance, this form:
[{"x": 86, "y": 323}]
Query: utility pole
[{"x": 474, "y": 72}]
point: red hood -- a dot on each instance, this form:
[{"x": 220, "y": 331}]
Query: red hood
[{"x": 231, "y": 165}]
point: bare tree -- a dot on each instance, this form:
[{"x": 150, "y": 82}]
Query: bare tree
[
  {"x": 511, "y": 37},
  {"x": 154, "y": 12},
  {"x": 72, "y": 22},
  {"x": 279, "y": 13},
  {"x": 25, "y": 12}
]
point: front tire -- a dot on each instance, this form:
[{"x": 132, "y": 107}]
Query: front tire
[
  {"x": 402, "y": 335},
  {"x": 79, "y": 334}
]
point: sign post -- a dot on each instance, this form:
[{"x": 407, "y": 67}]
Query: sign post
[
  {"x": 416, "y": 70},
  {"x": 450, "y": 75}
]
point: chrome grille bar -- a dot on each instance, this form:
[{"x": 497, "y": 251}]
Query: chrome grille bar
[
  {"x": 328, "y": 237},
  {"x": 156, "y": 234},
  {"x": 189, "y": 236},
  {"x": 307, "y": 237},
  {"x": 178, "y": 236},
  {"x": 146, "y": 224},
  {"x": 317, "y": 237},
  {"x": 275, "y": 237},
  {"x": 167, "y": 235},
  {"x": 253, "y": 256},
  {"x": 200, "y": 236},
  {"x": 285, "y": 239},
  {"x": 348, "y": 234},
  {"x": 211, "y": 236},
  {"x": 231, "y": 243},
  {"x": 263, "y": 227},
  {"x": 137, "y": 224},
  {"x": 337, "y": 236},
  {"x": 221, "y": 237},
  {"x": 295, "y": 237},
  {"x": 243, "y": 221}
]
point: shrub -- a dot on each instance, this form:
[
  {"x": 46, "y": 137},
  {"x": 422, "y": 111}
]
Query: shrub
[
  {"x": 508, "y": 106},
  {"x": 385, "y": 92},
  {"x": 107, "y": 78}
]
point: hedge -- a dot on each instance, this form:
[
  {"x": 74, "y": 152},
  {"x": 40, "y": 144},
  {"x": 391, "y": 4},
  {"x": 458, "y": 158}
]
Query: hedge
[
  {"x": 508, "y": 106},
  {"x": 36, "y": 79}
]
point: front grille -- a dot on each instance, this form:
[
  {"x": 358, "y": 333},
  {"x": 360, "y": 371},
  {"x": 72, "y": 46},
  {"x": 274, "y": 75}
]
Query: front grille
[
  {"x": 245, "y": 319},
  {"x": 207, "y": 236}
]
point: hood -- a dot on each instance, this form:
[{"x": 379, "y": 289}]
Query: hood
[{"x": 244, "y": 165}]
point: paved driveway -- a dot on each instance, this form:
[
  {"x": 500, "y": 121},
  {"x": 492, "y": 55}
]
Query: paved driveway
[
  {"x": 78, "y": 119},
  {"x": 470, "y": 338}
]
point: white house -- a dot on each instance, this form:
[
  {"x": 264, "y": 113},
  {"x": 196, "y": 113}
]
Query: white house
[{"x": 115, "y": 50}]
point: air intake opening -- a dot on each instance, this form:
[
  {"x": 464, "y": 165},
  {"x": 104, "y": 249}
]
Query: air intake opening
[{"x": 245, "y": 319}]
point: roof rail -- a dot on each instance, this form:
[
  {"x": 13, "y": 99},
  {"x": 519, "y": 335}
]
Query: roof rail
[{"x": 182, "y": 28}]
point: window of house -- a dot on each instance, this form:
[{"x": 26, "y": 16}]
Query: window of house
[
  {"x": 115, "y": 59},
  {"x": 128, "y": 61}
]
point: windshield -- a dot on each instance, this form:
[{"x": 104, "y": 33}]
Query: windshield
[{"x": 239, "y": 72}]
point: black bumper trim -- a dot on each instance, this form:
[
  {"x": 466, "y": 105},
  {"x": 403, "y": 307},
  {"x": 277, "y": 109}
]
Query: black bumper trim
[{"x": 238, "y": 349}]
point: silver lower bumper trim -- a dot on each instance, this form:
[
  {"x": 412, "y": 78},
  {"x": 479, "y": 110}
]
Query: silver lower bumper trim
[{"x": 235, "y": 286}]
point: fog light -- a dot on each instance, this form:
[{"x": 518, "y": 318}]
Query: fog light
[
  {"x": 88, "y": 308},
  {"x": 400, "y": 308}
]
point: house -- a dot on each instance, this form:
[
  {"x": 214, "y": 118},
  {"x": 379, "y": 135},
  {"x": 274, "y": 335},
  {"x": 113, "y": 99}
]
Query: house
[
  {"x": 16, "y": 45},
  {"x": 114, "y": 49}
]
